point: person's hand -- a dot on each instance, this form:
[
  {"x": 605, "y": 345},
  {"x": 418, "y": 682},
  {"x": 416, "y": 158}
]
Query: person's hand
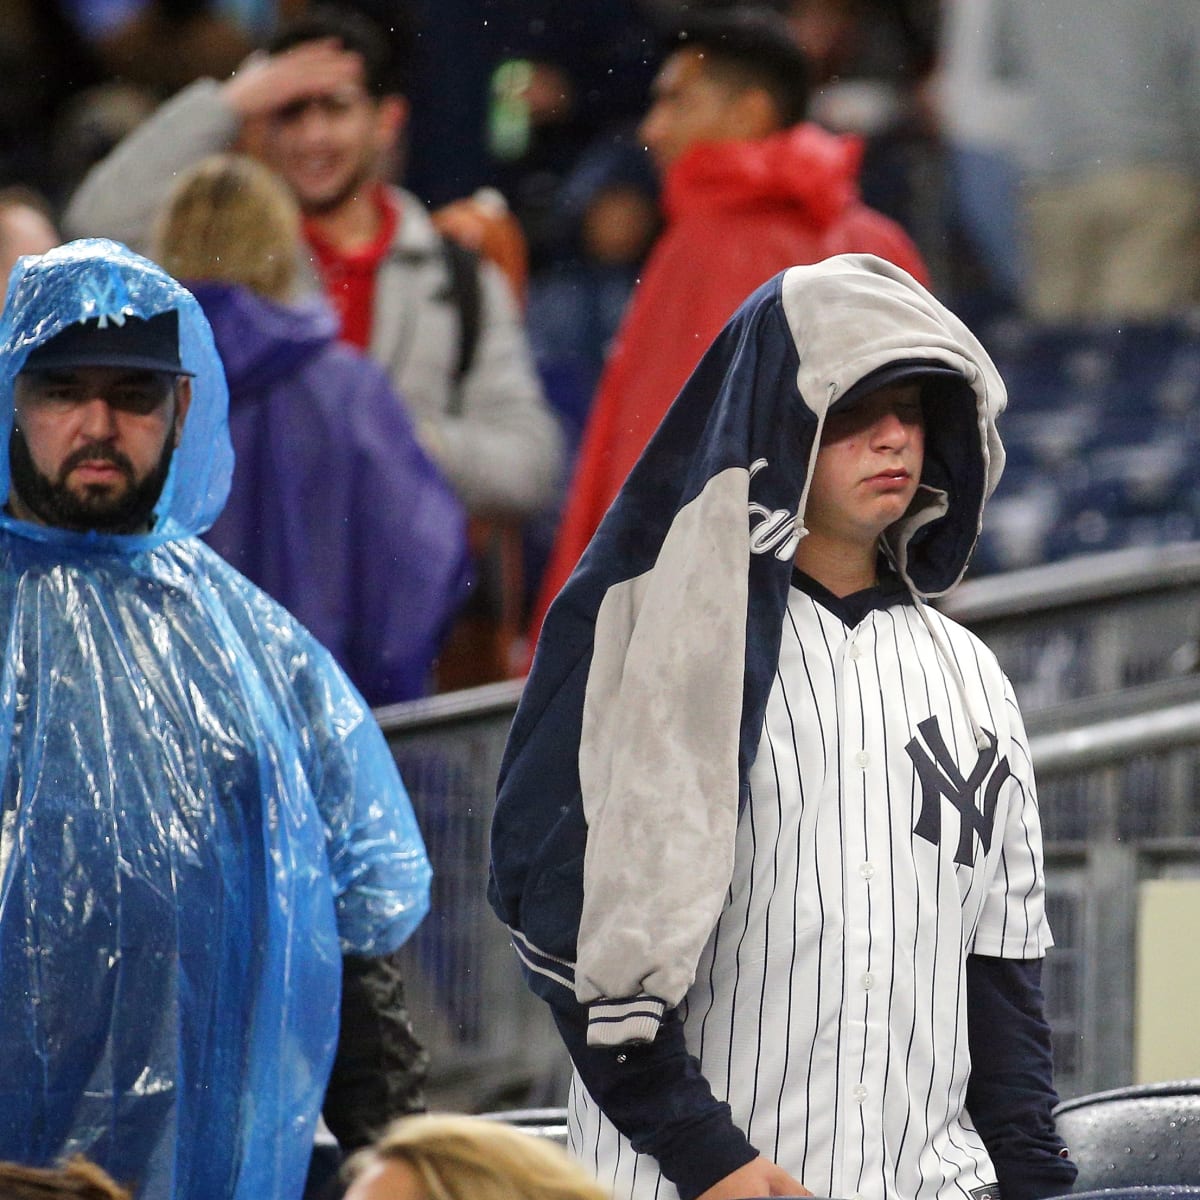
[
  {"x": 265, "y": 83},
  {"x": 759, "y": 1177}
]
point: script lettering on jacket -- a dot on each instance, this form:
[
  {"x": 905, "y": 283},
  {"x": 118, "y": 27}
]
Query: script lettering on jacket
[{"x": 774, "y": 530}]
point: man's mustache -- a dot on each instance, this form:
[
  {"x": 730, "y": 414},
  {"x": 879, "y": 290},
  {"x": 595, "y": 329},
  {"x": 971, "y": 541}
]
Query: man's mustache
[{"x": 95, "y": 452}]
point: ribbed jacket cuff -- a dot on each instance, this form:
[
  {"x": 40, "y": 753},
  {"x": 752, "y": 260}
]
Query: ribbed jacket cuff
[{"x": 634, "y": 1021}]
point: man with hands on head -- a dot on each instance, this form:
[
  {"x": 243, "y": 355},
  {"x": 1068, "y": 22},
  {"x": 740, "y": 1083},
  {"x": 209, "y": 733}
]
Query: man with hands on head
[{"x": 325, "y": 109}]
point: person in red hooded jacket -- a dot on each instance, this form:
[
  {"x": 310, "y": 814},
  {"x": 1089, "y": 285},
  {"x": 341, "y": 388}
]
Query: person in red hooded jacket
[{"x": 749, "y": 189}]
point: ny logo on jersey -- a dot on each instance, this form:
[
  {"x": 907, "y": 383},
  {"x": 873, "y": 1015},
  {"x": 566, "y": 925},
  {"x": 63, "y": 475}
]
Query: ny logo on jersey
[
  {"x": 940, "y": 777},
  {"x": 775, "y": 530},
  {"x": 105, "y": 298}
]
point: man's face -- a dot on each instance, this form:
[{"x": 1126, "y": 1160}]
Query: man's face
[
  {"x": 868, "y": 467},
  {"x": 690, "y": 105},
  {"x": 329, "y": 144},
  {"x": 91, "y": 446}
]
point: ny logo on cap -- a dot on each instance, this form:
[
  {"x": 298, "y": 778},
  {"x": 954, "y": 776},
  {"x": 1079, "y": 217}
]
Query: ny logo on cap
[{"x": 104, "y": 298}]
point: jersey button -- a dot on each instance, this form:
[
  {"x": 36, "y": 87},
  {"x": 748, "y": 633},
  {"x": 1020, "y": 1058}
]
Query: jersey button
[
  {"x": 855, "y": 651},
  {"x": 859, "y": 1093},
  {"x": 866, "y": 870},
  {"x": 868, "y": 981},
  {"x": 862, "y": 759}
]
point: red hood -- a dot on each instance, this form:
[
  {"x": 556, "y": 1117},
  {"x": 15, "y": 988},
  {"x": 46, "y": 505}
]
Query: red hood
[{"x": 804, "y": 165}]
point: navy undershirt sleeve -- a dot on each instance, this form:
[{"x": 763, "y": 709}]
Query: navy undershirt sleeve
[
  {"x": 1011, "y": 1094},
  {"x": 657, "y": 1097}
]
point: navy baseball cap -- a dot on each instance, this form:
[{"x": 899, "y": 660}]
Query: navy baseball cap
[
  {"x": 146, "y": 344},
  {"x": 905, "y": 371}
]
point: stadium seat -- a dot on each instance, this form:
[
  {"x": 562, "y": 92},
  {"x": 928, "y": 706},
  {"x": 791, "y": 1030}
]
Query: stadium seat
[
  {"x": 1140, "y": 1193},
  {"x": 1146, "y": 1136},
  {"x": 1102, "y": 431}
]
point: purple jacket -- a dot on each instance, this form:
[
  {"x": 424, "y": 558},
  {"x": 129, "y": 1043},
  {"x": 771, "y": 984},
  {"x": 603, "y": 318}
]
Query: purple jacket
[{"x": 335, "y": 509}]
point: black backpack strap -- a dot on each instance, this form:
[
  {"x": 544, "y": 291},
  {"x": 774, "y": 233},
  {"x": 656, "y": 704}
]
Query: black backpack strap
[{"x": 462, "y": 267}]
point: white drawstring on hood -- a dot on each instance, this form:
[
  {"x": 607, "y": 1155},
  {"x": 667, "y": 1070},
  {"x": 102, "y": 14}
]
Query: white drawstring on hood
[{"x": 811, "y": 470}]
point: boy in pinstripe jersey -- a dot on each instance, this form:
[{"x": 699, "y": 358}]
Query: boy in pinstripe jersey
[{"x": 785, "y": 893}]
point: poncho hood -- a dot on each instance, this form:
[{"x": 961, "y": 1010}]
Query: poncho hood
[
  {"x": 99, "y": 279},
  {"x": 805, "y": 167},
  {"x": 261, "y": 341}
]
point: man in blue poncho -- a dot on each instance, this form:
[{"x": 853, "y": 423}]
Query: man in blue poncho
[{"x": 201, "y": 827}]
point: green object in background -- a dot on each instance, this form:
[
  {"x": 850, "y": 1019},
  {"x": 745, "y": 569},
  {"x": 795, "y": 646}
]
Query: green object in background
[{"x": 508, "y": 119}]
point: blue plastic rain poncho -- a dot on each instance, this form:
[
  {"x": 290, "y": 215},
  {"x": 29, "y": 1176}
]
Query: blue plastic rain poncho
[{"x": 198, "y": 815}]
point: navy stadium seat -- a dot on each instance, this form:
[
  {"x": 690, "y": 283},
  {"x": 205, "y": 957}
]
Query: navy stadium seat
[
  {"x": 1140, "y": 1193},
  {"x": 1146, "y": 1136},
  {"x": 1102, "y": 432}
]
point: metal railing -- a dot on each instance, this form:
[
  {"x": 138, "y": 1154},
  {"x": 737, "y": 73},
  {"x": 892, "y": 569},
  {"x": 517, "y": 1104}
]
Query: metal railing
[
  {"x": 1088, "y": 625},
  {"x": 492, "y": 1043}
]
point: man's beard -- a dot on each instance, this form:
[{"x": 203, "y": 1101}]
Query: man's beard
[{"x": 96, "y": 508}]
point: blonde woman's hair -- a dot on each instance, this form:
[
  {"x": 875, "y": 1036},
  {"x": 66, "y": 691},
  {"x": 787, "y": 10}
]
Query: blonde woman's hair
[
  {"x": 76, "y": 1179},
  {"x": 229, "y": 218},
  {"x": 476, "y": 1158}
]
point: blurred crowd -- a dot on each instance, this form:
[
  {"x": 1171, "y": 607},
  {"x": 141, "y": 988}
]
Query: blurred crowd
[{"x": 502, "y": 276}]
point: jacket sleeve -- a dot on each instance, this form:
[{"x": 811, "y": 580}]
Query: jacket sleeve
[
  {"x": 504, "y": 450},
  {"x": 657, "y": 1097},
  {"x": 380, "y": 1067},
  {"x": 1011, "y": 1095},
  {"x": 122, "y": 194},
  {"x": 656, "y": 871}
]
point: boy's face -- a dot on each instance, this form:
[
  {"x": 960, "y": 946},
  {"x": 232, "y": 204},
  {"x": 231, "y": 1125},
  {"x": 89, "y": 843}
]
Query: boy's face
[{"x": 868, "y": 466}]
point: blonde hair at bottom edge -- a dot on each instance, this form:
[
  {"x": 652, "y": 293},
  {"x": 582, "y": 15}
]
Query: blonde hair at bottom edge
[{"x": 457, "y": 1157}]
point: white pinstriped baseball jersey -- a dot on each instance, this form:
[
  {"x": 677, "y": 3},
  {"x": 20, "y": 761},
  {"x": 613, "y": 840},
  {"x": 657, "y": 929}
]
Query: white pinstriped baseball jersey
[{"x": 879, "y": 847}]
